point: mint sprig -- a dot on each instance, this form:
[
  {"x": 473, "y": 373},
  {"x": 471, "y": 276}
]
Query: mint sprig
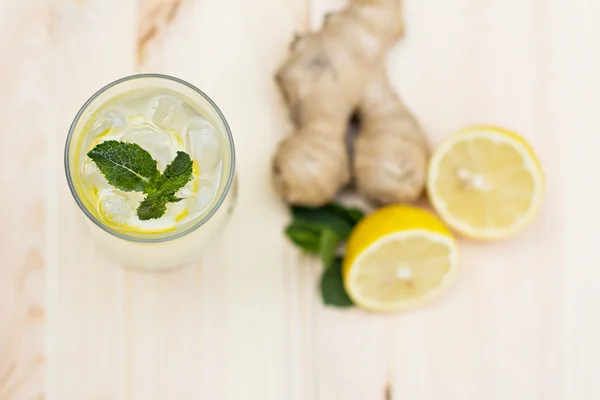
[
  {"x": 332, "y": 286},
  {"x": 321, "y": 231},
  {"x": 176, "y": 175},
  {"x": 128, "y": 167}
]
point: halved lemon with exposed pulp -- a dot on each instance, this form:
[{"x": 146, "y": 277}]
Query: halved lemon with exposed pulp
[
  {"x": 398, "y": 258},
  {"x": 485, "y": 183}
]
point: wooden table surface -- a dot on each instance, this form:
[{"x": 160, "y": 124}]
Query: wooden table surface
[{"x": 247, "y": 322}]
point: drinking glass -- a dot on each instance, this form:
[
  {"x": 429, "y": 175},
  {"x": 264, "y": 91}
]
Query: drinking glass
[{"x": 152, "y": 251}]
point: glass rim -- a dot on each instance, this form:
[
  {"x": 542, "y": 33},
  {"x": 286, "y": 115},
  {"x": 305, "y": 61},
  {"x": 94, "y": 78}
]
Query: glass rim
[{"x": 217, "y": 205}]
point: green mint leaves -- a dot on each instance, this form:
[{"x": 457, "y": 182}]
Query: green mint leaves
[
  {"x": 155, "y": 206},
  {"x": 176, "y": 175},
  {"x": 321, "y": 231},
  {"x": 161, "y": 190},
  {"x": 332, "y": 286},
  {"x": 128, "y": 167}
]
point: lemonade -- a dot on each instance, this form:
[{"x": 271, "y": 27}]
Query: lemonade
[{"x": 163, "y": 116}]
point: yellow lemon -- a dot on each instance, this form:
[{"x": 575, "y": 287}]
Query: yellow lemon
[
  {"x": 486, "y": 183},
  {"x": 398, "y": 258}
]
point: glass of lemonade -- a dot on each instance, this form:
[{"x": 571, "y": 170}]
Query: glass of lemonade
[{"x": 162, "y": 115}]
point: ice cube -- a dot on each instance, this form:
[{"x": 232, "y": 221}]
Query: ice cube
[
  {"x": 116, "y": 207},
  {"x": 169, "y": 113},
  {"x": 204, "y": 145},
  {"x": 109, "y": 121},
  {"x": 188, "y": 190},
  {"x": 202, "y": 199},
  {"x": 162, "y": 146},
  {"x": 197, "y": 123},
  {"x": 92, "y": 176},
  {"x": 176, "y": 209}
]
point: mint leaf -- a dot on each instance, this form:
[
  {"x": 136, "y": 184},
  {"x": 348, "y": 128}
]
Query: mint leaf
[
  {"x": 305, "y": 236},
  {"x": 162, "y": 190},
  {"x": 332, "y": 286},
  {"x": 308, "y": 225},
  {"x": 126, "y": 166},
  {"x": 323, "y": 218},
  {"x": 328, "y": 244},
  {"x": 152, "y": 207},
  {"x": 320, "y": 231},
  {"x": 155, "y": 206},
  {"x": 352, "y": 215},
  {"x": 314, "y": 240},
  {"x": 176, "y": 175}
]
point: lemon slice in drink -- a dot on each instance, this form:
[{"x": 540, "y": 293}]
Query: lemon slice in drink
[
  {"x": 398, "y": 258},
  {"x": 486, "y": 183}
]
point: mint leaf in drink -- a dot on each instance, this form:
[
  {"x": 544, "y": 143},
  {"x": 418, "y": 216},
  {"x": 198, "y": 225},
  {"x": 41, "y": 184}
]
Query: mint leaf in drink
[
  {"x": 155, "y": 206},
  {"x": 162, "y": 189},
  {"x": 176, "y": 175},
  {"x": 332, "y": 286},
  {"x": 152, "y": 207},
  {"x": 126, "y": 166}
]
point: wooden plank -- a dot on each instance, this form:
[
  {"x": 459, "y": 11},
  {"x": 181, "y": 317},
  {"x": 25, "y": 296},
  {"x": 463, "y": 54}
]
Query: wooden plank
[
  {"x": 440, "y": 344},
  {"x": 85, "y": 290},
  {"x": 22, "y": 210},
  {"x": 350, "y": 348},
  {"x": 220, "y": 330},
  {"x": 575, "y": 107},
  {"x": 497, "y": 333}
]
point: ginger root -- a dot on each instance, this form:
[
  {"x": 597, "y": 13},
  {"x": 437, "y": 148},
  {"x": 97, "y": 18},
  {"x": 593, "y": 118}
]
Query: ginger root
[
  {"x": 328, "y": 76},
  {"x": 390, "y": 156},
  {"x": 323, "y": 81}
]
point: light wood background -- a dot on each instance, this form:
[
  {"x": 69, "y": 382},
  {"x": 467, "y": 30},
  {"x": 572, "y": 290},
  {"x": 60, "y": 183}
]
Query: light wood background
[{"x": 247, "y": 322}]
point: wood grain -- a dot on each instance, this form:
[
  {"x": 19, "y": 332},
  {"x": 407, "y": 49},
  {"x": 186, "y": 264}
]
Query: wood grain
[
  {"x": 247, "y": 321},
  {"x": 228, "y": 313},
  {"x": 498, "y": 333},
  {"x": 154, "y": 16},
  {"x": 93, "y": 44},
  {"x": 22, "y": 211},
  {"x": 575, "y": 103}
]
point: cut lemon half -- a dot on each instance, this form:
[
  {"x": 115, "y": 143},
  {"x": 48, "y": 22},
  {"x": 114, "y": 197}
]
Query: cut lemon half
[
  {"x": 398, "y": 258},
  {"x": 486, "y": 183}
]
